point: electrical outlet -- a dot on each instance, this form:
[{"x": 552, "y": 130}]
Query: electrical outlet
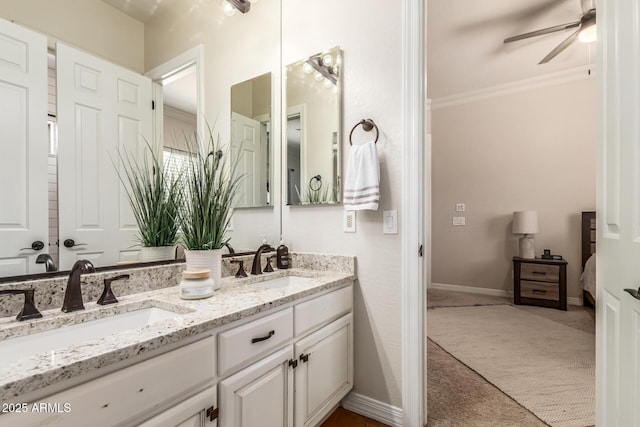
[
  {"x": 460, "y": 207},
  {"x": 459, "y": 220},
  {"x": 349, "y": 222},
  {"x": 390, "y": 222}
]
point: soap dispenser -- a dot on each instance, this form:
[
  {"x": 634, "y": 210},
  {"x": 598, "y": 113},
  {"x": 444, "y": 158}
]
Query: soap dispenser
[{"x": 282, "y": 255}]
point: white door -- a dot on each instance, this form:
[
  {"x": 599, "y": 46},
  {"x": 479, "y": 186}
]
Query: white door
[
  {"x": 260, "y": 395},
  {"x": 245, "y": 136},
  {"x": 23, "y": 148},
  {"x": 618, "y": 216},
  {"x": 101, "y": 107},
  {"x": 325, "y": 371}
]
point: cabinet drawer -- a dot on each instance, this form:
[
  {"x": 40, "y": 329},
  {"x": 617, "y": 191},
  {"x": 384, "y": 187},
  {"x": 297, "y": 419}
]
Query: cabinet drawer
[
  {"x": 245, "y": 342},
  {"x": 541, "y": 272},
  {"x": 539, "y": 290},
  {"x": 124, "y": 396},
  {"x": 322, "y": 310}
]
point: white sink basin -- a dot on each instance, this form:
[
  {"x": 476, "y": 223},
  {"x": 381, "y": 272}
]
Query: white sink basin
[
  {"x": 283, "y": 282},
  {"x": 54, "y": 339}
]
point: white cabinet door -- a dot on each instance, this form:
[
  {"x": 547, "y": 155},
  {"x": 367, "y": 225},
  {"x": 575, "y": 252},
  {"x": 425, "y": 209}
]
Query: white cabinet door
[
  {"x": 260, "y": 395},
  {"x": 101, "y": 108},
  {"x": 197, "y": 411},
  {"x": 23, "y": 148},
  {"x": 325, "y": 371}
]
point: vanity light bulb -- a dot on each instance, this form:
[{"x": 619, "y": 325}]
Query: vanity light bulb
[
  {"x": 307, "y": 68},
  {"x": 229, "y": 10},
  {"x": 327, "y": 60},
  {"x": 327, "y": 83},
  {"x": 318, "y": 76}
]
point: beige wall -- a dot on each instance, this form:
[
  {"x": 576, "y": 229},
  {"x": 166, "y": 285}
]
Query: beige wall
[
  {"x": 531, "y": 150},
  {"x": 236, "y": 49},
  {"x": 176, "y": 124},
  {"x": 372, "y": 89},
  {"x": 90, "y": 25}
]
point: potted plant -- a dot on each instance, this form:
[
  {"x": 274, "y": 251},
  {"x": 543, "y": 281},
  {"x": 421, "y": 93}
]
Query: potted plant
[
  {"x": 154, "y": 198},
  {"x": 210, "y": 183}
]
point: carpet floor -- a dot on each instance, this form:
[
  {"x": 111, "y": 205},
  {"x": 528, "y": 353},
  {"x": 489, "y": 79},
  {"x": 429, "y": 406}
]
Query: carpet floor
[{"x": 457, "y": 395}]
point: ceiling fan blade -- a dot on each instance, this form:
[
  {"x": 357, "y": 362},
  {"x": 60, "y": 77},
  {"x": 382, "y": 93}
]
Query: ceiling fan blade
[
  {"x": 587, "y": 5},
  {"x": 548, "y": 30},
  {"x": 562, "y": 46}
]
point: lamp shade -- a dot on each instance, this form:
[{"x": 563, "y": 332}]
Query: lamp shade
[{"x": 525, "y": 222}]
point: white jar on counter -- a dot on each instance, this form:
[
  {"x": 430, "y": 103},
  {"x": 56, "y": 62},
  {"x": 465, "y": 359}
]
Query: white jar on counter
[{"x": 196, "y": 284}]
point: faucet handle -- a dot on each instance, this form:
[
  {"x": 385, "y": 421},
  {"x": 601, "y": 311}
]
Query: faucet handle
[
  {"x": 107, "y": 296},
  {"x": 268, "y": 268},
  {"x": 29, "y": 310},
  {"x": 241, "y": 272}
]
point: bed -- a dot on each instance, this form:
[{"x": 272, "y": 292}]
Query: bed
[{"x": 588, "y": 278}]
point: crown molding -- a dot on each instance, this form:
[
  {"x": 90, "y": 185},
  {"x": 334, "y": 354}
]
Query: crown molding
[{"x": 538, "y": 82}]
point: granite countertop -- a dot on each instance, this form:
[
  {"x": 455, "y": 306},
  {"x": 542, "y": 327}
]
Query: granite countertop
[{"x": 236, "y": 299}]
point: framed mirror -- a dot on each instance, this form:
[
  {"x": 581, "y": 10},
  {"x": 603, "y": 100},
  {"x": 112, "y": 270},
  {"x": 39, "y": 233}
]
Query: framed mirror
[{"x": 313, "y": 140}]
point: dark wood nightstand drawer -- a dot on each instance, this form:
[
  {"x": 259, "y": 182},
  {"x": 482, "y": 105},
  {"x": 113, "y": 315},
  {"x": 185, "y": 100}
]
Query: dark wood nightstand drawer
[
  {"x": 539, "y": 290},
  {"x": 540, "y": 282},
  {"x": 540, "y": 272}
]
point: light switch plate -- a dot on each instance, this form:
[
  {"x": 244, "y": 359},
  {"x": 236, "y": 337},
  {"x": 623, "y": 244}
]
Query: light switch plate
[
  {"x": 349, "y": 222},
  {"x": 460, "y": 207},
  {"x": 459, "y": 220},
  {"x": 390, "y": 222}
]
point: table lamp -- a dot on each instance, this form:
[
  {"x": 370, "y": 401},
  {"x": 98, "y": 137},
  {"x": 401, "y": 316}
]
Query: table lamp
[{"x": 526, "y": 223}]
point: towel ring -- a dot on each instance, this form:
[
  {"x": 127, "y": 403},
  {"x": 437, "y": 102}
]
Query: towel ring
[
  {"x": 317, "y": 178},
  {"x": 367, "y": 125}
]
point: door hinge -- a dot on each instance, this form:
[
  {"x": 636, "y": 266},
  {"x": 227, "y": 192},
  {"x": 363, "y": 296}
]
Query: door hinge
[
  {"x": 304, "y": 357},
  {"x": 153, "y": 105},
  {"x": 293, "y": 363},
  {"x": 420, "y": 251},
  {"x": 212, "y": 413}
]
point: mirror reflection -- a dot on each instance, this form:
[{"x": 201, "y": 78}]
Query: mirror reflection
[
  {"x": 250, "y": 140},
  {"x": 314, "y": 93},
  {"x": 70, "y": 204}
]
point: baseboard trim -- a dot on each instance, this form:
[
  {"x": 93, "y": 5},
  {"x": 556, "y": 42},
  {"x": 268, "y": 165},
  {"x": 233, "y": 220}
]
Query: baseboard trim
[
  {"x": 374, "y": 409},
  {"x": 472, "y": 290},
  {"x": 486, "y": 291}
]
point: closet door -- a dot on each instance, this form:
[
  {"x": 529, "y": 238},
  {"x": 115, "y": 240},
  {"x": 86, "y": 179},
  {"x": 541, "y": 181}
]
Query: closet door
[
  {"x": 102, "y": 107},
  {"x": 23, "y": 149}
]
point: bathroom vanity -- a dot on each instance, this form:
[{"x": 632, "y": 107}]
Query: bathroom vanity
[{"x": 272, "y": 350}]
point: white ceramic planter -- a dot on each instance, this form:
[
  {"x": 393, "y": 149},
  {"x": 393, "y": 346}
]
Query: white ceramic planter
[
  {"x": 206, "y": 260},
  {"x": 157, "y": 253}
]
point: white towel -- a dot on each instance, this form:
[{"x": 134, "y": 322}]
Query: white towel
[{"x": 362, "y": 186}]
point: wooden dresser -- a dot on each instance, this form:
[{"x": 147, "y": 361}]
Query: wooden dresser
[{"x": 540, "y": 282}]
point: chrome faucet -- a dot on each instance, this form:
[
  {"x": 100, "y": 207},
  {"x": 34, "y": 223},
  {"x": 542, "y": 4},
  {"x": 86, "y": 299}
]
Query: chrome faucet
[
  {"x": 256, "y": 268},
  {"x": 73, "y": 292}
]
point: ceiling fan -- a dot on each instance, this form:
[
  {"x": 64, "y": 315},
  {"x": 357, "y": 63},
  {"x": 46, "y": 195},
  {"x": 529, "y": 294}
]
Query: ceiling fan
[{"x": 586, "y": 31}]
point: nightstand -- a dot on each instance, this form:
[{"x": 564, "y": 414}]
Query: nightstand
[{"x": 540, "y": 282}]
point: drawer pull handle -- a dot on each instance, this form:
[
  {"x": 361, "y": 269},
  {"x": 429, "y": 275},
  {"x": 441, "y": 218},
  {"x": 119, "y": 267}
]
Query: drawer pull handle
[
  {"x": 266, "y": 337},
  {"x": 542, "y": 273},
  {"x": 540, "y": 291}
]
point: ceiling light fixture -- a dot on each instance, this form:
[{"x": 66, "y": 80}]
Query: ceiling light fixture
[{"x": 588, "y": 34}]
